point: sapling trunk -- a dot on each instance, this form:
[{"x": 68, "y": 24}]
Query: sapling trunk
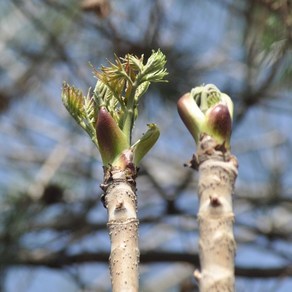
[
  {"x": 121, "y": 202},
  {"x": 207, "y": 114},
  {"x": 217, "y": 174}
]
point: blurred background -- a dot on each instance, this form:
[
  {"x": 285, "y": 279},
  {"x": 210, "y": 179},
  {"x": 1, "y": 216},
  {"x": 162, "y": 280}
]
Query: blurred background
[{"x": 53, "y": 233}]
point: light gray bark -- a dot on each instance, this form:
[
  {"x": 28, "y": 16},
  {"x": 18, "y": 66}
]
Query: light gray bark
[
  {"x": 217, "y": 175},
  {"x": 121, "y": 203}
]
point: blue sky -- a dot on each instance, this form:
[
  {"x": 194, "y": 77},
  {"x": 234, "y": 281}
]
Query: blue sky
[{"x": 39, "y": 123}]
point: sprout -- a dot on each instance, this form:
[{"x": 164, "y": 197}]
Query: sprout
[
  {"x": 207, "y": 110},
  {"x": 109, "y": 113}
]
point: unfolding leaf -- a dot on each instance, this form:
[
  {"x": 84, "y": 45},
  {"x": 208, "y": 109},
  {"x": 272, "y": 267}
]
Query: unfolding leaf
[
  {"x": 142, "y": 88},
  {"x": 82, "y": 108},
  {"x": 154, "y": 70},
  {"x": 143, "y": 145},
  {"x": 73, "y": 101}
]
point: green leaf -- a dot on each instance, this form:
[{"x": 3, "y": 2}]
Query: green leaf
[
  {"x": 103, "y": 96},
  {"x": 154, "y": 70},
  {"x": 135, "y": 62},
  {"x": 73, "y": 101},
  {"x": 90, "y": 110},
  {"x": 206, "y": 96},
  {"x": 82, "y": 109},
  {"x": 143, "y": 145},
  {"x": 142, "y": 88}
]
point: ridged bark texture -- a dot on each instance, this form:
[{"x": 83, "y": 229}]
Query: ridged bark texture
[
  {"x": 217, "y": 175},
  {"x": 121, "y": 202}
]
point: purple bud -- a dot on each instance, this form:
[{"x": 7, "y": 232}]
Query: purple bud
[
  {"x": 111, "y": 139},
  {"x": 219, "y": 123}
]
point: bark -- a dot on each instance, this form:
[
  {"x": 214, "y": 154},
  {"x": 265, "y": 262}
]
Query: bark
[
  {"x": 217, "y": 175},
  {"x": 121, "y": 202}
]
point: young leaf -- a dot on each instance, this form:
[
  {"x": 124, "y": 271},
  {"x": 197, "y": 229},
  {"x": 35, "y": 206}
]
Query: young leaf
[
  {"x": 82, "y": 109},
  {"x": 73, "y": 101},
  {"x": 154, "y": 70},
  {"x": 90, "y": 111},
  {"x": 141, "y": 89},
  {"x": 143, "y": 145}
]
